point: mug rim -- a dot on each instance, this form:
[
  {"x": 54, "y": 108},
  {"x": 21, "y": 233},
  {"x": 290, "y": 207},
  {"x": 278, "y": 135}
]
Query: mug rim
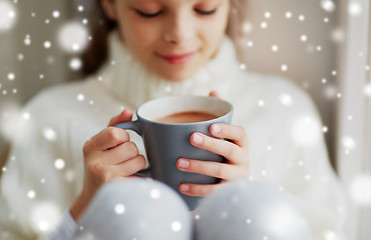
[{"x": 214, "y": 120}]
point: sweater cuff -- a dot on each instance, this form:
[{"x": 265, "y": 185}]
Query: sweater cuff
[{"x": 64, "y": 230}]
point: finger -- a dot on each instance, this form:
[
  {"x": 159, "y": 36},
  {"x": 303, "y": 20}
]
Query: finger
[
  {"x": 209, "y": 168},
  {"x": 106, "y": 172},
  {"x": 222, "y": 147},
  {"x": 130, "y": 167},
  {"x": 124, "y": 116},
  {"x": 236, "y": 134},
  {"x": 214, "y": 94},
  {"x": 197, "y": 190},
  {"x": 122, "y": 153},
  {"x": 106, "y": 139}
]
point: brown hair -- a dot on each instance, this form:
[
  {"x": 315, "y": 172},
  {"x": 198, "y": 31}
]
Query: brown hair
[
  {"x": 100, "y": 26},
  {"x": 96, "y": 52}
]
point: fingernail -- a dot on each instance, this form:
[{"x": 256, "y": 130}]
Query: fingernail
[
  {"x": 183, "y": 163},
  {"x": 197, "y": 138},
  {"x": 216, "y": 128},
  {"x": 184, "y": 188}
]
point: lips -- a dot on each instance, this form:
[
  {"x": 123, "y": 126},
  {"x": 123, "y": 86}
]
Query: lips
[{"x": 177, "y": 59}]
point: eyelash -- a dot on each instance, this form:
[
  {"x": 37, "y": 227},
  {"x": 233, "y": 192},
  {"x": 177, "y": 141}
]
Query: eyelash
[
  {"x": 152, "y": 15},
  {"x": 148, "y": 15},
  {"x": 205, "y": 12}
]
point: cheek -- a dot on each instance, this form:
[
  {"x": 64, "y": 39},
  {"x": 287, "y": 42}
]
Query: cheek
[
  {"x": 212, "y": 38},
  {"x": 138, "y": 36},
  {"x": 214, "y": 35}
]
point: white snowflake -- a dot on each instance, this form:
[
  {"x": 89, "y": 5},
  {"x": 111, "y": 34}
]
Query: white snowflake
[
  {"x": 7, "y": 15},
  {"x": 360, "y": 190},
  {"x": 348, "y": 143},
  {"x": 338, "y": 35},
  {"x": 75, "y": 64},
  {"x": 155, "y": 193},
  {"x": 119, "y": 209},
  {"x": 306, "y": 130},
  {"x": 284, "y": 68},
  {"x": 330, "y": 235},
  {"x": 20, "y": 57},
  {"x": 27, "y": 40},
  {"x": 286, "y": 99},
  {"x": 328, "y": 5},
  {"x": 45, "y": 216},
  {"x": 47, "y": 44},
  {"x": 73, "y": 37},
  {"x": 56, "y": 14},
  {"x": 247, "y": 27},
  {"x": 31, "y": 194},
  {"x": 70, "y": 175},
  {"x": 26, "y": 116},
  {"x": 354, "y": 8},
  {"x": 49, "y": 134},
  {"x": 11, "y": 76},
  {"x": 267, "y": 15},
  {"x": 303, "y": 38},
  {"x": 367, "y": 90},
  {"x": 288, "y": 15},
  {"x": 59, "y": 164},
  {"x": 274, "y": 48},
  {"x": 80, "y": 97},
  {"x": 325, "y": 129},
  {"x": 176, "y": 226}
]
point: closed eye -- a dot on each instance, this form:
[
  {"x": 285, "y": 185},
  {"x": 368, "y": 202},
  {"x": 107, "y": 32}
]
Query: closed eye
[
  {"x": 205, "y": 12},
  {"x": 148, "y": 15}
]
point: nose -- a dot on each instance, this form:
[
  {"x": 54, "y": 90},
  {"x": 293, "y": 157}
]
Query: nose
[{"x": 178, "y": 29}]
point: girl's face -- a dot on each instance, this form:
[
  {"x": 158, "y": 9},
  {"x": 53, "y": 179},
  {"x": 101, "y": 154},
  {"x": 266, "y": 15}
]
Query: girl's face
[{"x": 172, "y": 38}]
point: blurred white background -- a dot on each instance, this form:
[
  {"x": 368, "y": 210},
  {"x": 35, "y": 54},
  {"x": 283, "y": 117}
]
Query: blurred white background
[{"x": 321, "y": 45}]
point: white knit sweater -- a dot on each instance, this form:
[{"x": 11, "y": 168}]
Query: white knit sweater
[{"x": 45, "y": 168}]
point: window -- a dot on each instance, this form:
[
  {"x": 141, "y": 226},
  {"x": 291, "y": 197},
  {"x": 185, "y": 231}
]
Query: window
[{"x": 354, "y": 115}]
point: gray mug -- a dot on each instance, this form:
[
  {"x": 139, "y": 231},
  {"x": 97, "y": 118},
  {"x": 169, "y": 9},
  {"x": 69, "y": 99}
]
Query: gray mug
[{"x": 165, "y": 143}]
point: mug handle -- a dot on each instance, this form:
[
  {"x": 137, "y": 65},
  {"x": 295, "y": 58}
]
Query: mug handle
[{"x": 135, "y": 126}]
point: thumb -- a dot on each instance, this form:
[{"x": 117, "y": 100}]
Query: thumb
[{"x": 124, "y": 116}]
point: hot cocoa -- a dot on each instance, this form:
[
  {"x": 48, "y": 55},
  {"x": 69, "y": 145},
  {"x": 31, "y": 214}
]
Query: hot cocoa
[{"x": 186, "y": 117}]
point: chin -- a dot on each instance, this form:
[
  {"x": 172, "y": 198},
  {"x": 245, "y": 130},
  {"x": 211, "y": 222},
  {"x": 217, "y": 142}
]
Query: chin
[{"x": 176, "y": 76}]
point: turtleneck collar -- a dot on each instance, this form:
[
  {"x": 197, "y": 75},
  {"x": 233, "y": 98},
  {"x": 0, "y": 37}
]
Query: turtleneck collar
[{"x": 132, "y": 83}]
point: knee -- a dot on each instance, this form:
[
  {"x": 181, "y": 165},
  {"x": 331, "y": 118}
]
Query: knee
[
  {"x": 136, "y": 209},
  {"x": 250, "y": 210}
]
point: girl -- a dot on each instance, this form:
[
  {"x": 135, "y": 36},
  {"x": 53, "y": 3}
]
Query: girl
[{"x": 157, "y": 48}]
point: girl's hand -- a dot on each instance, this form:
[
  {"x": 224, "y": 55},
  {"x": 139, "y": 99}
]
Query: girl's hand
[
  {"x": 108, "y": 155},
  {"x": 235, "y": 151}
]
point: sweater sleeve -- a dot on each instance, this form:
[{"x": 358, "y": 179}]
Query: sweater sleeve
[
  {"x": 65, "y": 229},
  {"x": 42, "y": 176}
]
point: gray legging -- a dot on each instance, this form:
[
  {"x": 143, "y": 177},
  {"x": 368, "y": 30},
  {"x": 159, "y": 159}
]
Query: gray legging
[{"x": 143, "y": 209}]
